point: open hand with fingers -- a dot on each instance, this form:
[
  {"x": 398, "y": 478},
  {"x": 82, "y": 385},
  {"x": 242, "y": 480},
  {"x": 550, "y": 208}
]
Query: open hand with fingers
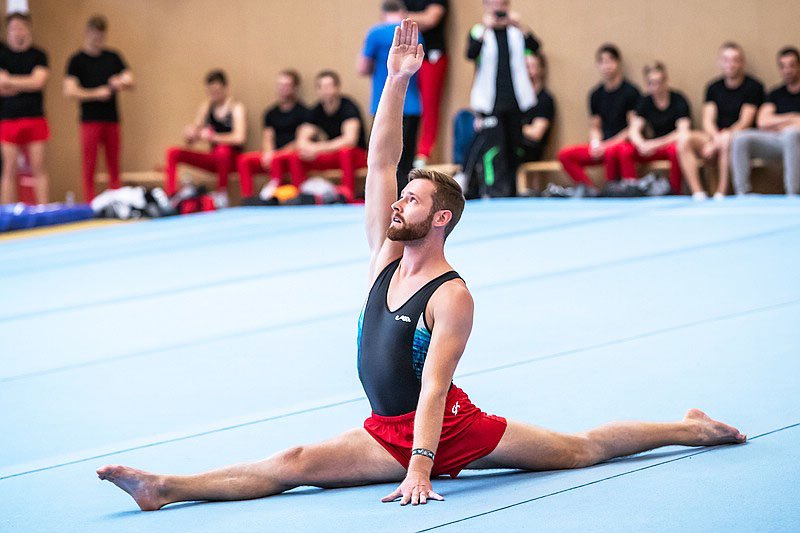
[
  {"x": 406, "y": 54},
  {"x": 415, "y": 489}
]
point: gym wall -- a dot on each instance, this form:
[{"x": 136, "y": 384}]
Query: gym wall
[{"x": 171, "y": 44}]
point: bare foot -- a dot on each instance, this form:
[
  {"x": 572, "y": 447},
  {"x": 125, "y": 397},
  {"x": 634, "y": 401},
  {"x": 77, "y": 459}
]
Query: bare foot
[
  {"x": 143, "y": 487},
  {"x": 711, "y": 432}
]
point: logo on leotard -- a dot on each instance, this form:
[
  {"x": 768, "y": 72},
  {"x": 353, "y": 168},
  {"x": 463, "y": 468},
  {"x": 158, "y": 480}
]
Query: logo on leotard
[
  {"x": 455, "y": 408},
  {"x": 404, "y": 318}
]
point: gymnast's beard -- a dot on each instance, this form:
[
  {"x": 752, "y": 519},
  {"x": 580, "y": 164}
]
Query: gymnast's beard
[{"x": 410, "y": 232}]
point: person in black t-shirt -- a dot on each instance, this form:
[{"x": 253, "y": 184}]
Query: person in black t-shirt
[
  {"x": 23, "y": 74},
  {"x": 94, "y": 77},
  {"x": 501, "y": 92},
  {"x": 220, "y": 122},
  {"x": 280, "y": 129},
  {"x": 730, "y": 105},
  {"x": 611, "y": 108},
  {"x": 430, "y": 16},
  {"x": 538, "y": 120},
  {"x": 665, "y": 113},
  {"x": 778, "y": 136},
  {"x": 331, "y": 137}
]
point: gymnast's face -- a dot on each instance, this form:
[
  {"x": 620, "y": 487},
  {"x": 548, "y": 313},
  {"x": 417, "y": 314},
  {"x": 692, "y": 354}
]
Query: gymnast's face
[{"x": 413, "y": 214}]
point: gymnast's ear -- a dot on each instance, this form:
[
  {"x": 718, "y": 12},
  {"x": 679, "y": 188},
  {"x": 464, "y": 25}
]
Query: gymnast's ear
[{"x": 442, "y": 218}]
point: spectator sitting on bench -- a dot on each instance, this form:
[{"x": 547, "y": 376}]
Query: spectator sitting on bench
[
  {"x": 538, "y": 120},
  {"x": 731, "y": 104},
  {"x": 280, "y": 129},
  {"x": 665, "y": 113},
  {"x": 220, "y": 121},
  {"x": 778, "y": 136},
  {"x": 332, "y": 137},
  {"x": 611, "y": 106}
]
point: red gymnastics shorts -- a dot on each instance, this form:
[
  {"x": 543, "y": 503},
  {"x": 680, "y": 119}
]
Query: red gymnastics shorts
[
  {"x": 467, "y": 434},
  {"x": 23, "y": 131}
]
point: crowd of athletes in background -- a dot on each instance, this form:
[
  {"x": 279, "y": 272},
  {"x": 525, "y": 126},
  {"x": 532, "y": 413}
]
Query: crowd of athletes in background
[{"x": 513, "y": 113}]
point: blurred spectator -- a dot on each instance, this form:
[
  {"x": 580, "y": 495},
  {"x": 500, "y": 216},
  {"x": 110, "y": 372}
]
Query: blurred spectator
[
  {"x": 220, "y": 122},
  {"x": 731, "y": 104},
  {"x": 23, "y": 74},
  {"x": 538, "y": 120},
  {"x": 94, "y": 77},
  {"x": 280, "y": 129},
  {"x": 373, "y": 61},
  {"x": 502, "y": 89},
  {"x": 778, "y": 136},
  {"x": 332, "y": 137},
  {"x": 664, "y": 115},
  {"x": 612, "y": 106},
  {"x": 430, "y": 16}
]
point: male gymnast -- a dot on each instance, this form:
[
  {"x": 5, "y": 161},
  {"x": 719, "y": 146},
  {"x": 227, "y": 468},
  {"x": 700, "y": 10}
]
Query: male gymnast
[{"x": 412, "y": 332}]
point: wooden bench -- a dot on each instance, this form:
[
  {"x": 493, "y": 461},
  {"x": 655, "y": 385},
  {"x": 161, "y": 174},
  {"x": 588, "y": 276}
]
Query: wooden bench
[
  {"x": 536, "y": 169},
  {"x": 155, "y": 178}
]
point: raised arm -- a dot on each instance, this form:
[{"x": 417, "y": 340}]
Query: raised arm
[{"x": 386, "y": 144}]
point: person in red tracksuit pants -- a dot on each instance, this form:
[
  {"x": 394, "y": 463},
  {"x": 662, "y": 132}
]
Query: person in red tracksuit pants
[
  {"x": 94, "y": 77},
  {"x": 221, "y": 122},
  {"x": 611, "y": 106},
  {"x": 281, "y": 121},
  {"x": 665, "y": 114},
  {"x": 332, "y": 137},
  {"x": 430, "y": 16},
  {"x": 23, "y": 74}
]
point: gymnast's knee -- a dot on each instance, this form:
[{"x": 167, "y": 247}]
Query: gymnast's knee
[
  {"x": 583, "y": 451},
  {"x": 292, "y": 465}
]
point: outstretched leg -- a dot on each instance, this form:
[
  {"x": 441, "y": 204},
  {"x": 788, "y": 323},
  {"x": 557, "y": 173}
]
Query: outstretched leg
[
  {"x": 352, "y": 459},
  {"x": 531, "y": 448}
]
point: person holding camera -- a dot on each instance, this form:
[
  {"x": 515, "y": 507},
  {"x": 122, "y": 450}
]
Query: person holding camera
[{"x": 502, "y": 89}]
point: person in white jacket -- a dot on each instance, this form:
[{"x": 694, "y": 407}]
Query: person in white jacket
[{"x": 501, "y": 89}]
